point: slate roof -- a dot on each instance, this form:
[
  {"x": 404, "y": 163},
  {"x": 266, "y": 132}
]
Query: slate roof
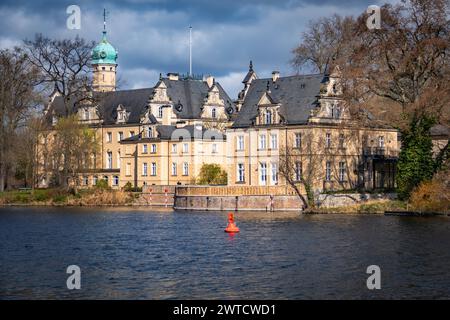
[
  {"x": 166, "y": 132},
  {"x": 134, "y": 101},
  {"x": 191, "y": 94},
  {"x": 440, "y": 130},
  {"x": 297, "y": 95}
]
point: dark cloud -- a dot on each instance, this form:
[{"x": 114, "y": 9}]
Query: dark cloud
[{"x": 152, "y": 35}]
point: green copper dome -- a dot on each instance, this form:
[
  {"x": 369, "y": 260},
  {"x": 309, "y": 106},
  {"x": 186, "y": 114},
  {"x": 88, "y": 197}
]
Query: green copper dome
[{"x": 104, "y": 52}]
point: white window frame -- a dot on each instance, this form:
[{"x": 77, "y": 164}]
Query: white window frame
[
  {"x": 153, "y": 148},
  {"x": 109, "y": 160},
  {"x": 144, "y": 169},
  {"x": 274, "y": 173},
  {"x": 328, "y": 140},
  {"x": 174, "y": 148},
  {"x": 185, "y": 169},
  {"x": 342, "y": 171},
  {"x": 115, "y": 181},
  {"x": 174, "y": 168},
  {"x": 298, "y": 140},
  {"x": 240, "y": 143},
  {"x": 262, "y": 142},
  {"x": 109, "y": 137},
  {"x": 185, "y": 147},
  {"x": 328, "y": 171},
  {"x": 144, "y": 148},
  {"x": 263, "y": 173},
  {"x": 153, "y": 169},
  {"x": 274, "y": 141},
  {"x": 240, "y": 172}
]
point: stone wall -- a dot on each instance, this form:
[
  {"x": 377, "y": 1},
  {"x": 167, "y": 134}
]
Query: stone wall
[
  {"x": 159, "y": 196},
  {"x": 241, "y": 203},
  {"x": 344, "y": 199}
]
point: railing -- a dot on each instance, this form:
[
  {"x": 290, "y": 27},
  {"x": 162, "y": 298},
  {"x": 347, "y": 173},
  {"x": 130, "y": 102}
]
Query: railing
[
  {"x": 381, "y": 152},
  {"x": 233, "y": 190}
]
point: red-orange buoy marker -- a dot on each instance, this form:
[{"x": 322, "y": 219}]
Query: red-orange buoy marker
[{"x": 231, "y": 227}]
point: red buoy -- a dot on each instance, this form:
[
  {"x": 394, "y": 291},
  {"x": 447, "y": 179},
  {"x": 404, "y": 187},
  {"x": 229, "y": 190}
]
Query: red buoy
[{"x": 231, "y": 227}]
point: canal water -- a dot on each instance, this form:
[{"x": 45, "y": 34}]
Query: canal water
[{"x": 144, "y": 254}]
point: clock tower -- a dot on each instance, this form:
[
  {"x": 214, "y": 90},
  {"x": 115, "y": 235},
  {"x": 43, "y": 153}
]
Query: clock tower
[{"x": 104, "y": 65}]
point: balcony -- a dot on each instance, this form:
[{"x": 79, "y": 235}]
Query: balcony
[{"x": 378, "y": 152}]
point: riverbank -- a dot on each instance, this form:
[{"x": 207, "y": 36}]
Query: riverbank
[
  {"x": 99, "y": 197},
  {"x": 61, "y": 198}
]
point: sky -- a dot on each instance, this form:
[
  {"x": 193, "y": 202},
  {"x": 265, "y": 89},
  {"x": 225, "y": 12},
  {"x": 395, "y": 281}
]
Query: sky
[{"x": 152, "y": 36}]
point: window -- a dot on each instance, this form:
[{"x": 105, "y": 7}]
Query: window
[
  {"x": 274, "y": 167},
  {"x": 381, "y": 142},
  {"x": 335, "y": 111},
  {"x": 131, "y": 133},
  {"x": 128, "y": 169},
  {"x": 213, "y": 113},
  {"x": 262, "y": 173},
  {"x": 328, "y": 171},
  {"x": 120, "y": 116},
  {"x": 120, "y": 136},
  {"x": 86, "y": 114},
  {"x": 341, "y": 140},
  {"x": 342, "y": 171},
  {"x": 153, "y": 148},
  {"x": 214, "y": 148},
  {"x": 328, "y": 140},
  {"x": 174, "y": 148},
  {"x": 108, "y": 137},
  {"x": 144, "y": 169},
  {"x": 240, "y": 172},
  {"x": 240, "y": 142},
  {"x": 144, "y": 148},
  {"x": 148, "y": 132},
  {"x": 85, "y": 181},
  {"x": 94, "y": 180},
  {"x": 185, "y": 169},
  {"x": 268, "y": 117},
  {"x": 174, "y": 169},
  {"x": 185, "y": 148},
  {"x": 262, "y": 141},
  {"x": 298, "y": 140},
  {"x": 106, "y": 179},
  {"x": 298, "y": 171},
  {"x": 153, "y": 168},
  {"x": 160, "y": 112},
  {"x": 274, "y": 141},
  {"x": 109, "y": 160},
  {"x": 119, "y": 160},
  {"x": 115, "y": 180}
]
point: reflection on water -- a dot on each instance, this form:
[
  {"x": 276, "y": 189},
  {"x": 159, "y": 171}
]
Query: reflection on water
[{"x": 138, "y": 254}]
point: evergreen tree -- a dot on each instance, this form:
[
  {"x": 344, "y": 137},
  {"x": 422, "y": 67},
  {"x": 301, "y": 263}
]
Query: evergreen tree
[{"x": 415, "y": 162}]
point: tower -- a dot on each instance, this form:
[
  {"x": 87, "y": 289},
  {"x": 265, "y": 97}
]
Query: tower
[{"x": 104, "y": 58}]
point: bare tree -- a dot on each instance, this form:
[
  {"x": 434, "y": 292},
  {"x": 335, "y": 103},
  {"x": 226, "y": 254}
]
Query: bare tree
[
  {"x": 17, "y": 99},
  {"x": 325, "y": 39},
  {"x": 70, "y": 150},
  {"x": 64, "y": 66}
]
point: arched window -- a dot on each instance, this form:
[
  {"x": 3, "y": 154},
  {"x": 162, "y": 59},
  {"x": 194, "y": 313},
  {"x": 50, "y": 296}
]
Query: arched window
[
  {"x": 160, "y": 112},
  {"x": 213, "y": 113}
]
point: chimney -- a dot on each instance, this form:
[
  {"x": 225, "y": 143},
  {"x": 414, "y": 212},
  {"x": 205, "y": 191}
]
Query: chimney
[
  {"x": 275, "y": 75},
  {"x": 210, "y": 81},
  {"x": 173, "y": 76}
]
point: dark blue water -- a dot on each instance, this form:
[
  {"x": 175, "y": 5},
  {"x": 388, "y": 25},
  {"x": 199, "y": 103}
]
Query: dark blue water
[{"x": 138, "y": 254}]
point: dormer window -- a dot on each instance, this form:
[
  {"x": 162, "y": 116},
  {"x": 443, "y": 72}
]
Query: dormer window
[
  {"x": 268, "y": 119},
  {"x": 86, "y": 114},
  {"x": 335, "y": 111},
  {"x": 160, "y": 112},
  {"x": 213, "y": 113},
  {"x": 334, "y": 88}
]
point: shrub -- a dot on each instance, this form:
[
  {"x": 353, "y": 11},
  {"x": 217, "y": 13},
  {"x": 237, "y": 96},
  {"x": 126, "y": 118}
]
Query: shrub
[
  {"x": 433, "y": 195},
  {"x": 102, "y": 184},
  {"x": 211, "y": 173}
]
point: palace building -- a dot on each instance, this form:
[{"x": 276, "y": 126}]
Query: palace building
[{"x": 163, "y": 135}]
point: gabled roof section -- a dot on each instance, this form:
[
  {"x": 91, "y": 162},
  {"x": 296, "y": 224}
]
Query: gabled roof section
[{"x": 297, "y": 96}]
